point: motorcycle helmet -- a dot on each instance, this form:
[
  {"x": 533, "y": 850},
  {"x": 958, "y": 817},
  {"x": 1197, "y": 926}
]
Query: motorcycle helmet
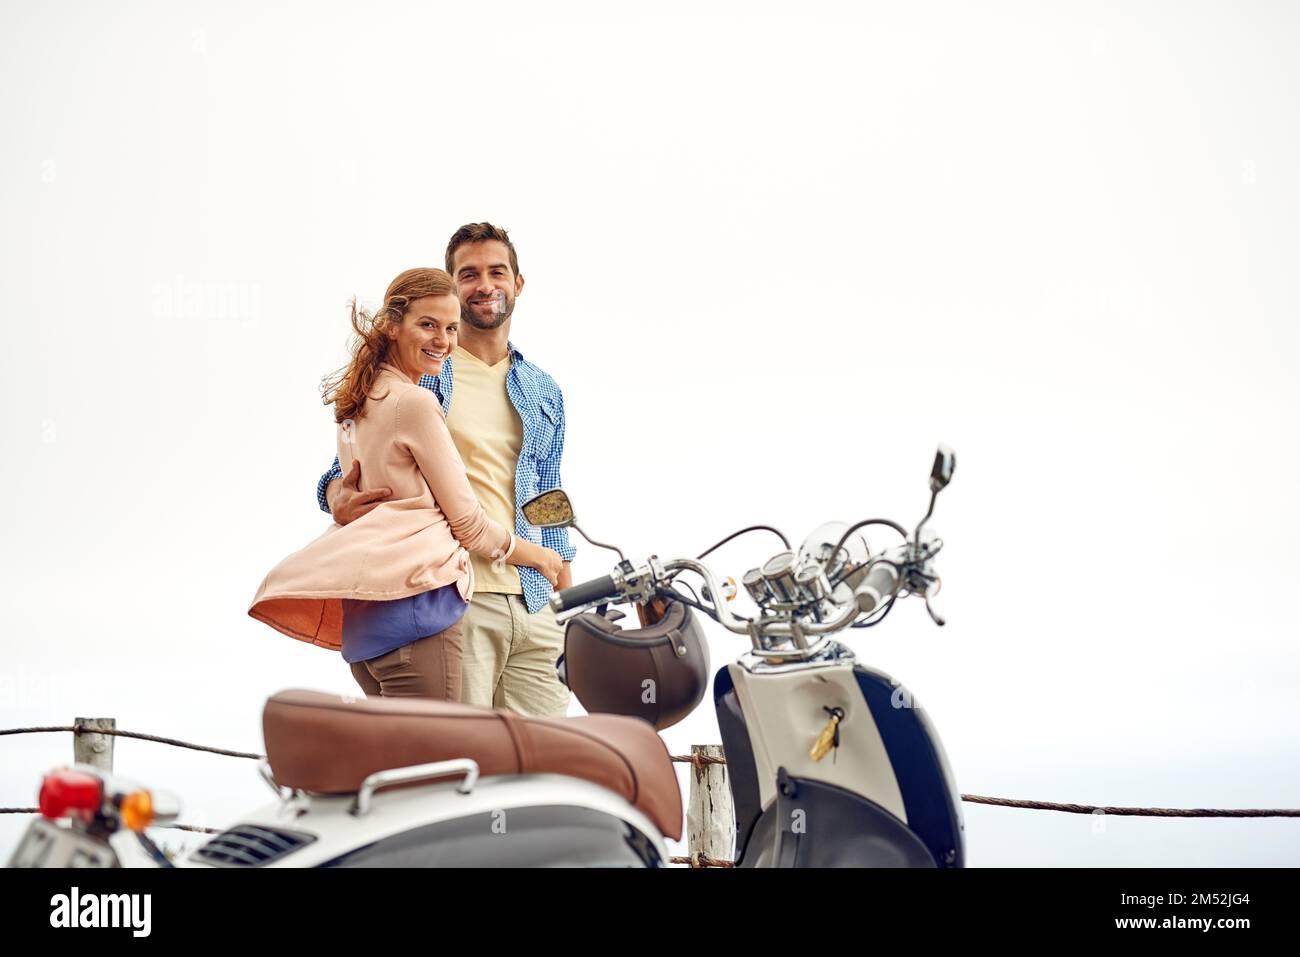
[{"x": 658, "y": 673}]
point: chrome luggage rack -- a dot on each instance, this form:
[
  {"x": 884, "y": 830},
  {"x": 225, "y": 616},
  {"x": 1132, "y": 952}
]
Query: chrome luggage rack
[{"x": 466, "y": 767}]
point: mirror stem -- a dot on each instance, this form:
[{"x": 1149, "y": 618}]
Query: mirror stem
[
  {"x": 916, "y": 537},
  {"x": 612, "y": 548}
]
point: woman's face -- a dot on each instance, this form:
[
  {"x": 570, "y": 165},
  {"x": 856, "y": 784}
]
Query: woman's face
[{"x": 426, "y": 336}]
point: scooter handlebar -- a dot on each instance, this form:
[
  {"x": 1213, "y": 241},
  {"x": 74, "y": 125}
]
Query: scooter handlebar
[
  {"x": 879, "y": 586},
  {"x": 598, "y": 589}
]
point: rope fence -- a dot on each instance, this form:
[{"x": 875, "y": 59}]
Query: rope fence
[
  {"x": 179, "y": 827},
  {"x": 1132, "y": 811},
  {"x": 699, "y": 762},
  {"x": 174, "y": 742}
]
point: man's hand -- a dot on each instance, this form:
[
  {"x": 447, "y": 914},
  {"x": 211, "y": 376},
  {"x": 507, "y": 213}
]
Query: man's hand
[
  {"x": 566, "y": 578},
  {"x": 346, "y": 500}
]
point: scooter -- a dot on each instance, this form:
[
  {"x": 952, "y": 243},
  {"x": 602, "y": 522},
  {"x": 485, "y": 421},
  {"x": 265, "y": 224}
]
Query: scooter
[{"x": 829, "y": 762}]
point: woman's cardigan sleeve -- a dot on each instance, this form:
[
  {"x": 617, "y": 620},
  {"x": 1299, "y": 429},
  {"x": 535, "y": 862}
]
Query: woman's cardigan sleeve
[{"x": 420, "y": 427}]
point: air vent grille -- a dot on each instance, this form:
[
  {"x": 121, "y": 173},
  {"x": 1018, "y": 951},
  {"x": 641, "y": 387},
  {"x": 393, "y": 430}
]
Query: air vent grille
[{"x": 248, "y": 845}]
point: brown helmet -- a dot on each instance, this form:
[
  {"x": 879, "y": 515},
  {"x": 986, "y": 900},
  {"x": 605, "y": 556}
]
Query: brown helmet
[{"x": 658, "y": 673}]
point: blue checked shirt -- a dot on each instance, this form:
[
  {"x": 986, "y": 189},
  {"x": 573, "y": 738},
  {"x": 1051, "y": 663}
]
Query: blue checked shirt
[{"x": 540, "y": 405}]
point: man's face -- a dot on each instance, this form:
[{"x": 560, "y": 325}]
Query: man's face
[{"x": 486, "y": 284}]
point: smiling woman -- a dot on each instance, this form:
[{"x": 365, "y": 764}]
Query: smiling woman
[
  {"x": 415, "y": 330},
  {"x": 425, "y": 336},
  {"x": 388, "y": 589}
]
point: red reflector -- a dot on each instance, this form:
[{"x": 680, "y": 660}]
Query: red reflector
[{"x": 67, "y": 790}]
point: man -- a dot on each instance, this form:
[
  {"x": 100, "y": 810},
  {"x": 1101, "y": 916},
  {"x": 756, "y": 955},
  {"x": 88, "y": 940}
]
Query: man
[{"x": 507, "y": 420}]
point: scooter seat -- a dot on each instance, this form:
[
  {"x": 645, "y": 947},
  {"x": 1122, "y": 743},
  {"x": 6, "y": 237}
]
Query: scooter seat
[{"x": 328, "y": 744}]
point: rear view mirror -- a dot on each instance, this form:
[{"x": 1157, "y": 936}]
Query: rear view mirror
[
  {"x": 549, "y": 510},
  {"x": 945, "y": 460}
]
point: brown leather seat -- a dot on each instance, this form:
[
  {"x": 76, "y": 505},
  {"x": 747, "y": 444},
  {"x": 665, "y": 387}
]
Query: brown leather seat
[{"x": 328, "y": 744}]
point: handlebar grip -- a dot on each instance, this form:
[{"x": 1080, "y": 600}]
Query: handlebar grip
[
  {"x": 597, "y": 589},
  {"x": 879, "y": 585}
]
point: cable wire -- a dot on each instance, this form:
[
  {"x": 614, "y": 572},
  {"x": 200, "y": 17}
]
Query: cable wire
[{"x": 753, "y": 528}]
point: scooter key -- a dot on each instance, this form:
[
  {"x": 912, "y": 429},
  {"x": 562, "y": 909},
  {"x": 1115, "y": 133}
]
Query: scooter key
[{"x": 829, "y": 738}]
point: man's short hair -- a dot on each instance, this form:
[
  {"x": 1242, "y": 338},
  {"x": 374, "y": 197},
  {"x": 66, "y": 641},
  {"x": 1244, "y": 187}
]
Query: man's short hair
[{"x": 477, "y": 233}]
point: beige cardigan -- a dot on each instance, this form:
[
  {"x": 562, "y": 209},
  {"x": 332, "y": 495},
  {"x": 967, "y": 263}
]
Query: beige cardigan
[{"x": 412, "y": 542}]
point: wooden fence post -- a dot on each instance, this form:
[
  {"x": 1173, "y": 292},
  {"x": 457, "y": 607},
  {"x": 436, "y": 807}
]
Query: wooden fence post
[
  {"x": 94, "y": 749},
  {"x": 710, "y": 815}
]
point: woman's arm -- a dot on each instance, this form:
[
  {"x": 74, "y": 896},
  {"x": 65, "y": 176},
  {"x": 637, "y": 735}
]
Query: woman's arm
[{"x": 420, "y": 426}]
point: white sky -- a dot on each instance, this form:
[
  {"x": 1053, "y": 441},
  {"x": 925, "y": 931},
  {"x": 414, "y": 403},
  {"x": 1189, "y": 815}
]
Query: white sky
[{"x": 774, "y": 253}]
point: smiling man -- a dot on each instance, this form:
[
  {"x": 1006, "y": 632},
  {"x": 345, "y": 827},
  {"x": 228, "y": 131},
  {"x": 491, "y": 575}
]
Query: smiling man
[{"x": 507, "y": 420}]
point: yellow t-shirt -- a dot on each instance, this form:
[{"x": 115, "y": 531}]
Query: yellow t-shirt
[{"x": 489, "y": 437}]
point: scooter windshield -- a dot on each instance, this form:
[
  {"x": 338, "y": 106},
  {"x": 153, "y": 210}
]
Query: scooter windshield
[{"x": 820, "y": 545}]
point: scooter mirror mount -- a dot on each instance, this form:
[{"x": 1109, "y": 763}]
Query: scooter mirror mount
[
  {"x": 945, "y": 460},
  {"x": 553, "y": 509}
]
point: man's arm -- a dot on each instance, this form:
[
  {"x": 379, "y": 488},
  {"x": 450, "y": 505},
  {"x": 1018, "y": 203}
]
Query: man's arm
[
  {"x": 343, "y": 498},
  {"x": 323, "y": 487}
]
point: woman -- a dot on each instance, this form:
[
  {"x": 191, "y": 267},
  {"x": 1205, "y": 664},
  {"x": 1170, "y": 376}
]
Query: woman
[{"x": 388, "y": 589}]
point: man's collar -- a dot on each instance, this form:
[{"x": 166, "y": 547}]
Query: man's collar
[{"x": 511, "y": 351}]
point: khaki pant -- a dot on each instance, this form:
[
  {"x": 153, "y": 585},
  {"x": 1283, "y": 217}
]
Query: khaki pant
[
  {"x": 509, "y": 657},
  {"x": 428, "y": 667}
]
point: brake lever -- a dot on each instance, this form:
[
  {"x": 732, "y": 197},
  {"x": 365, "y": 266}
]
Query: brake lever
[{"x": 938, "y": 619}]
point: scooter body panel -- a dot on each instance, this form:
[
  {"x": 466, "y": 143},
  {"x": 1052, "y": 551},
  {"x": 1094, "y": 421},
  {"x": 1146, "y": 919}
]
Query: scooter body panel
[
  {"x": 507, "y": 820},
  {"x": 930, "y": 794},
  {"x": 785, "y": 713},
  {"x": 889, "y": 757}
]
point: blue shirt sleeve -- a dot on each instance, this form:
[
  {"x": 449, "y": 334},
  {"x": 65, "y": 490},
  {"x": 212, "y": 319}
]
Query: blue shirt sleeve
[
  {"x": 548, "y": 475},
  {"x": 333, "y": 473}
]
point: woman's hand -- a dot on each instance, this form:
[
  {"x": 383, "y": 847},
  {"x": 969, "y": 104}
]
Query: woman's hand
[{"x": 550, "y": 564}]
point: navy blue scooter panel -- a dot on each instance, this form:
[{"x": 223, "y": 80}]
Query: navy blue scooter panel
[
  {"x": 928, "y": 797},
  {"x": 742, "y": 771}
]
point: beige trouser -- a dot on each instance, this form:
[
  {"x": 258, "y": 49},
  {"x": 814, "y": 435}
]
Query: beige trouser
[{"x": 509, "y": 656}]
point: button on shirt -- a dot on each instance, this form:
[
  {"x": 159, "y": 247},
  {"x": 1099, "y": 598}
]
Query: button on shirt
[{"x": 539, "y": 404}]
